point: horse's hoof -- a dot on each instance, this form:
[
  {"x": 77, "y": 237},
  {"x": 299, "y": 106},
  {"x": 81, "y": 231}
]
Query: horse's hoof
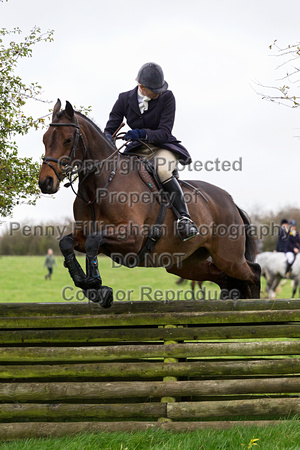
[
  {"x": 107, "y": 297},
  {"x": 102, "y": 295}
]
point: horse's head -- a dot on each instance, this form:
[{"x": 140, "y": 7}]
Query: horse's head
[{"x": 60, "y": 140}]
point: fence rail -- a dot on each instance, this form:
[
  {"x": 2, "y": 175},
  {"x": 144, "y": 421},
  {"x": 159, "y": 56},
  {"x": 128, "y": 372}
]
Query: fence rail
[{"x": 182, "y": 365}]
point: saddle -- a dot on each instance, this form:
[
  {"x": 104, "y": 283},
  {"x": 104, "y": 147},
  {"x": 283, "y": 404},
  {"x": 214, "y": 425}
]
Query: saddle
[{"x": 149, "y": 176}]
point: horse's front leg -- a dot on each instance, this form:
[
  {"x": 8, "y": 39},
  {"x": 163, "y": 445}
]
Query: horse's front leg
[
  {"x": 66, "y": 245},
  {"x": 95, "y": 291},
  {"x": 91, "y": 282}
]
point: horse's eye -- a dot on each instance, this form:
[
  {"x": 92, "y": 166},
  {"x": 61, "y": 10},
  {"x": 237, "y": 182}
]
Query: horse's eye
[{"x": 67, "y": 141}]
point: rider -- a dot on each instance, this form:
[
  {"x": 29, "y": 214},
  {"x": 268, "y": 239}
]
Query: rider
[
  {"x": 292, "y": 245},
  {"x": 282, "y": 236},
  {"x": 150, "y": 112}
]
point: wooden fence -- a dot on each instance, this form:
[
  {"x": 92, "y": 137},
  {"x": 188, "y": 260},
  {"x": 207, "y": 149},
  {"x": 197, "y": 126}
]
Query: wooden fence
[{"x": 67, "y": 368}]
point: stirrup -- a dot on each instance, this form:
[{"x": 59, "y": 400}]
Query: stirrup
[{"x": 186, "y": 228}]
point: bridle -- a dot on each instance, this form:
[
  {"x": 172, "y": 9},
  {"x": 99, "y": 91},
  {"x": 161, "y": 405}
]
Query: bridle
[{"x": 64, "y": 161}]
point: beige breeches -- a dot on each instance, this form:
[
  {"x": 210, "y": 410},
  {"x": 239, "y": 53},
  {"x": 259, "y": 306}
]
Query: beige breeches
[{"x": 164, "y": 160}]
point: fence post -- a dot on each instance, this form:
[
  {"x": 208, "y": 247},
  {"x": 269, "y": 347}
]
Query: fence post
[{"x": 169, "y": 378}]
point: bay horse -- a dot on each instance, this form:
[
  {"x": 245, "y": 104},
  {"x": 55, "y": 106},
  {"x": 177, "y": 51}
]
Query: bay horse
[{"x": 73, "y": 143}]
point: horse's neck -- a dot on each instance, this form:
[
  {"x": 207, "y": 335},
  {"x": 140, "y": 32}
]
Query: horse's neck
[
  {"x": 98, "y": 149},
  {"x": 98, "y": 155}
]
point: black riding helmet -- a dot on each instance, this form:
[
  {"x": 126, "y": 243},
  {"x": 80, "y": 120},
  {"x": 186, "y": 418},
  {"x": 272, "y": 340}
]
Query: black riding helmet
[{"x": 152, "y": 77}]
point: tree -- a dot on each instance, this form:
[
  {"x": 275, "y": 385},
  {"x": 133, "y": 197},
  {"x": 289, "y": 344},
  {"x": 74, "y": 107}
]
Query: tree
[
  {"x": 286, "y": 93},
  {"x": 18, "y": 176}
]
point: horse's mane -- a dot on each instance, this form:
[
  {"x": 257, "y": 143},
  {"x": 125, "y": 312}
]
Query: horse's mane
[
  {"x": 98, "y": 129},
  {"x": 91, "y": 122}
]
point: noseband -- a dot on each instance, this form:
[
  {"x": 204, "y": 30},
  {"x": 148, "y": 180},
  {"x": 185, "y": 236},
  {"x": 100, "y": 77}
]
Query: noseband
[{"x": 65, "y": 161}]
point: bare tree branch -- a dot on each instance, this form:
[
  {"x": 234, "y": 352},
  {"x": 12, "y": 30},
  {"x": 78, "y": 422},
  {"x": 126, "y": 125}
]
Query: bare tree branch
[{"x": 286, "y": 94}]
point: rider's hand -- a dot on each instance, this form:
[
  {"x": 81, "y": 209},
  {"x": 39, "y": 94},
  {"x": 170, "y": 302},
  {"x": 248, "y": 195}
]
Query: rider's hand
[{"x": 135, "y": 135}]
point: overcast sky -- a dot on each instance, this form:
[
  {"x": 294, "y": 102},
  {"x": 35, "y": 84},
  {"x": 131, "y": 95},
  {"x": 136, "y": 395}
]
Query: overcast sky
[{"x": 211, "y": 51}]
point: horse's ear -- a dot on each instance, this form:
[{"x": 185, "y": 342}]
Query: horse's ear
[
  {"x": 69, "y": 109},
  {"x": 56, "y": 108}
]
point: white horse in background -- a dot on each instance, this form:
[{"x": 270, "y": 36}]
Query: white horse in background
[{"x": 273, "y": 267}]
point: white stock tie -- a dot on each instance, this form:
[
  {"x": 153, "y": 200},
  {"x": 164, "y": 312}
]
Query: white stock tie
[{"x": 143, "y": 105}]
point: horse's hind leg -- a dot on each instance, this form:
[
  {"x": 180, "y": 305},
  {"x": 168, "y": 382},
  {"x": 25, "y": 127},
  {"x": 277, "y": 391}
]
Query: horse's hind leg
[
  {"x": 244, "y": 289},
  {"x": 273, "y": 286},
  {"x": 193, "y": 268},
  {"x": 254, "y": 288},
  {"x": 295, "y": 287}
]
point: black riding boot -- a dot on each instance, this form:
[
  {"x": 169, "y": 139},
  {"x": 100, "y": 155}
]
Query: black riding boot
[
  {"x": 185, "y": 226},
  {"x": 288, "y": 269}
]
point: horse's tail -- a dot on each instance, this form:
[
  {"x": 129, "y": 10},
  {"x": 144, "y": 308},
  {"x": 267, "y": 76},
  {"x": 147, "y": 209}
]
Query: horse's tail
[{"x": 250, "y": 250}]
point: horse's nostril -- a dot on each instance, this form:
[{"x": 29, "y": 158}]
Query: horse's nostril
[{"x": 47, "y": 185}]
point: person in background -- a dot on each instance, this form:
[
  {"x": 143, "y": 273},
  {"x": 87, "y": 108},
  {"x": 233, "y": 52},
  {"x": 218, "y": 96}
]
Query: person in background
[
  {"x": 282, "y": 236},
  {"x": 49, "y": 263},
  {"x": 149, "y": 109},
  {"x": 292, "y": 245}
]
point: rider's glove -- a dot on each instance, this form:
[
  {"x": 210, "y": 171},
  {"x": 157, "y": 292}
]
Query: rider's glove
[{"x": 135, "y": 135}]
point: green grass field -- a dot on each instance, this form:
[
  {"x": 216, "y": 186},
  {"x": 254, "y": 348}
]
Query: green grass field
[
  {"x": 285, "y": 436},
  {"x": 22, "y": 279}
]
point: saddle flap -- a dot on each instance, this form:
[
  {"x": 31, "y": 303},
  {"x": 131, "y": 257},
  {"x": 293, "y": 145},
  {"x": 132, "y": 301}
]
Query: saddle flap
[{"x": 149, "y": 176}]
